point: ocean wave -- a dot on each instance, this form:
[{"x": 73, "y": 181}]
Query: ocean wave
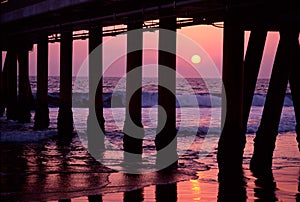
[
  {"x": 26, "y": 136},
  {"x": 149, "y": 99},
  {"x": 185, "y": 133}
]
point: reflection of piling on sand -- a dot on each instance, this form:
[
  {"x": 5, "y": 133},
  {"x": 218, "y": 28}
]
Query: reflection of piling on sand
[{"x": 239, "y": 73}]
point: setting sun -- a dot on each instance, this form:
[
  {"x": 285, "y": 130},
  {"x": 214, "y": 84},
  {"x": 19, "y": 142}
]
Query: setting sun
[{"x": 196, "y": 59}]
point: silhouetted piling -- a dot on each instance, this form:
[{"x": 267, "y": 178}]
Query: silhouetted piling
[
  {"x": 65, "y": 114},
  {"x": 11, "y": 86},
  {"x": 166, "y": 141},
  {"x": 95, "y": 198},
  {"x": 252, "y": 63},
  {"x": 134, "y": 195},
  {"x": 25, "y": 98},
  {"x": 295, "y": 88},
  {"x": 232, "y": 140},
  {"x": 133, "y": 128},
  {"x": 4, "y": 83},
  {"x": 2, "y": 108},
  {"x": 41, "y": 118},
  {"x": 232, "y": 188},
  {"x": 264, "y": 142},
  {"x": 95, "y": 127},
  {"x": 64, "y": 200},
  {"x": 166, "y": 192},
  {"x": 265, "y": 189}
]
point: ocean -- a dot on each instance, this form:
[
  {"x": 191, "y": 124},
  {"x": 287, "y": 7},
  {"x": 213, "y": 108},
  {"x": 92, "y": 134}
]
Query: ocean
[
  {"x": 33, "y": 158},
  {"x": 204, "y": 90},
  {"x": 193, "y": 94}
]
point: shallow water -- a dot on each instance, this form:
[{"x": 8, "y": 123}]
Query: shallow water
[
  {"x": 50, "y": 170},
  {"x": 42, "y": 167}
]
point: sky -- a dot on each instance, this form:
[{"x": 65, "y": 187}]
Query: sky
[{"x": 207, "y": 38}]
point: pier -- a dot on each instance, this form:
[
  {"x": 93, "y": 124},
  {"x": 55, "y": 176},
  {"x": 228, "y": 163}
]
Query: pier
[{"x": 25, "y": 23}]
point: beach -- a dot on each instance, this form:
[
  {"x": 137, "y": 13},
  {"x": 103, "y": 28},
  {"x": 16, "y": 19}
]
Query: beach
[
  {"x": 50, "y": 169},
  {"x": 42, "y": 166}
]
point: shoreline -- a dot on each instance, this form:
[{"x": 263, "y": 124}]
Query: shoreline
[
  {"x": 30, "y": 169},
  {"x": 112, "y": 186}
]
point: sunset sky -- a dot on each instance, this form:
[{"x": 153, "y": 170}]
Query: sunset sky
[{"x": 209, "y": 38}]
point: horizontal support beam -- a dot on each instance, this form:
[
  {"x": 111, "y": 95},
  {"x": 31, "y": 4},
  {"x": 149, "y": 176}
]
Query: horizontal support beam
[{"x": 39, "y": 8}]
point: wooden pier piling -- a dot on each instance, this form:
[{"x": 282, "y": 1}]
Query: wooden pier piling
[
  {"x": 133, "y": 128},
  {"x": 95, "y": 125},
  {"x": 25, "y": 98},
  {"x": 95, "y": 198},
  {"x": 252, "y": 63},
  {"x": 134, "y": 195},
  {"x": 295, "y": 88},
  {"x": 232, "y": 140},
  {"x": 65, "y": 114},
  {"x": 10, "y": 66},
  {"x": 2, "y": 107},
  {"x": 166, "y": 192},
  {"x": 166, "y": 141},
  {"x": 41, "y": 118},
  {"x": 264, "y": 142}
]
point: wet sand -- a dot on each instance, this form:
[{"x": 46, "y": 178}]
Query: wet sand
[
  {"x": 52, "y": 170},
  {"x": 205, "y": 187}
]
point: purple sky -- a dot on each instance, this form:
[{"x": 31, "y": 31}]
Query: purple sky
[{"x": 209, "y": 38}]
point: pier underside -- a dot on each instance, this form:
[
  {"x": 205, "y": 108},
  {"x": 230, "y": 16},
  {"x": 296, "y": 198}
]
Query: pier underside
[{"x": 34, "y": 21}]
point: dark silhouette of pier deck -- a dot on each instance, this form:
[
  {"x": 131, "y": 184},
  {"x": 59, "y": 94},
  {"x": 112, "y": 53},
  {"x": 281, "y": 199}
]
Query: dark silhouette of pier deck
[{"x": 24, "y": 23}]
